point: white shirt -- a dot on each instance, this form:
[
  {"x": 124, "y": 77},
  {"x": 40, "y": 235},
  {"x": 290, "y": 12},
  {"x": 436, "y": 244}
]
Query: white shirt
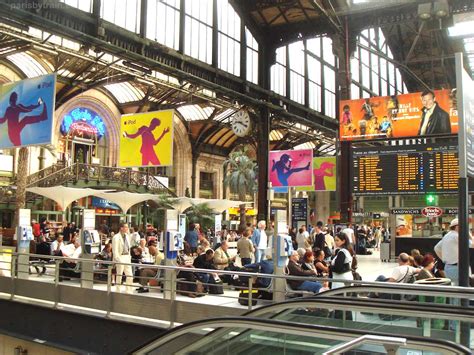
[
  {"x": 329, "y": 241},
  {"x": 301, "y": 240},
  {"x": 350, "y": 233},
  {"x": 263, "y": 240},
  {"x": 447, "y": 248},
  {"x": 54, "y": 246},
  {"x": 70, "y": 251},
  {"x": 135, "y": 239},
  {"x": 146, "y": 256},
  {"x": 347, "y": 254},
  {"x": 402, "y": 272}
]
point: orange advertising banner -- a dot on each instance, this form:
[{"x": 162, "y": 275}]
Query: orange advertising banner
[{"x": 397, "y": 116}]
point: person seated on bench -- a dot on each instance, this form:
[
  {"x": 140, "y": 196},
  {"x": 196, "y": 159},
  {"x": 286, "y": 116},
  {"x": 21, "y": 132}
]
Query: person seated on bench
[
  {"x": 57, "y": 245},
  {"x": 205, "y": 261},
  {"x": 402, "y": 272},
  {"x": 295, "y": 269},
  {"x": 72, "y": 252},
  {"x": 147, "y": 273},
  {"x": 104, "y": 255}
]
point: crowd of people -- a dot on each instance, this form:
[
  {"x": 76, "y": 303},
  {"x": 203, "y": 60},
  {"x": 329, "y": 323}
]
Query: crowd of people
[{"x": 319, "y": 251}]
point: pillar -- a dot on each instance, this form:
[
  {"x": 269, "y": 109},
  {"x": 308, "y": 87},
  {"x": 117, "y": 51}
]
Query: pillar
[{"x": 344, "y": 46}]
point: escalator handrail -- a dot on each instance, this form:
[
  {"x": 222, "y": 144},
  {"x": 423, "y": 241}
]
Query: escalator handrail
[
  {"x": 404, "y": 288},
  {"x": 378, "y": 306},
  {"x": 288, "y": 328}
]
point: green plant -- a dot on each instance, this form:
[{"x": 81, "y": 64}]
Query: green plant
[
  {"x": 240, "y": 178},
  {"x": 200, "y": 213}
]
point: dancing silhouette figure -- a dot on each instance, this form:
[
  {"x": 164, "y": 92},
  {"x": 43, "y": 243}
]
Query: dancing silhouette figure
[
  {"x": 325, "y": 169},
  {"x": 12, "y": 115},
  {"x": 284, "y": 170},
  {"x": 149, "y": 156}
]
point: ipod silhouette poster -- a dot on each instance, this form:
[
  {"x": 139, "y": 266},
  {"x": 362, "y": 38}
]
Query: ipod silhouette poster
[
  {"x": 290, "y": 168},
  {"x": 324, "y": 175},
  {"x": 26, "y": 112},
  {"x": 146, "y": 139}
]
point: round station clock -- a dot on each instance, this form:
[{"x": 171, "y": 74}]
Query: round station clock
[{"x": 241, "y": 123}]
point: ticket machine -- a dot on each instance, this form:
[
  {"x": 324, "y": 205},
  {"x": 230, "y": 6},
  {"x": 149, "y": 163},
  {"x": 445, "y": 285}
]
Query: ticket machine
[
  {"x": 90, "y": 241},
  {"x": 24, "y": 235},
  {"x": 91, "y": 246}
]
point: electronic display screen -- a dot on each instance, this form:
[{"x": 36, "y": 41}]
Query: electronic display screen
[{"x": 405, "y": 170}]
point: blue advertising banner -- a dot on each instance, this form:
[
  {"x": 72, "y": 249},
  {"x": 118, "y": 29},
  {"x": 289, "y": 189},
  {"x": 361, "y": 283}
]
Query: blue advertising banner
[
  {"x": 26, "y": 112},
  {"x": 103, "y": 203}
]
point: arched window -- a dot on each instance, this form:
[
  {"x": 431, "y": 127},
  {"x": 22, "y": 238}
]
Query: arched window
[{"x": 372, "y": 68}]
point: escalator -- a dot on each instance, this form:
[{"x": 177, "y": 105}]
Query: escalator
[
  {"x": 318, "y": 324},
  {"x": 245, "y": 335}
]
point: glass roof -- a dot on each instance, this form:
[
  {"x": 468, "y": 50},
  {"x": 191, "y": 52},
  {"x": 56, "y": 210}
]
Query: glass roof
[
  {"x": 225, "y": 116},
  {"x": 84, "y": 5},
  {"x": 195, "y": 112},
  {"x": 307, "y": 145},
  {"x": 27, "y": 64},
  {"x": 276, "y": 135},
  {"x": 125, "y": 92}
]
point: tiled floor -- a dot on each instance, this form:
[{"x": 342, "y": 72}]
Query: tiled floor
[{"x": 370, "y": 266}]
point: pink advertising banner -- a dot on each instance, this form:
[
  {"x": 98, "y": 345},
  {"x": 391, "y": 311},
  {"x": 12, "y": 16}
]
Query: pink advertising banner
[{"x": 290, "y": 168}]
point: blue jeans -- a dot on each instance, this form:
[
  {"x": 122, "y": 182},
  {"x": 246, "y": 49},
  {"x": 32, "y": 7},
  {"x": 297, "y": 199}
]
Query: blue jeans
[
  {"x": 311, "y": 286},
  {"x": 452, "y": 272},
  {"x": 259, "y": 255}
]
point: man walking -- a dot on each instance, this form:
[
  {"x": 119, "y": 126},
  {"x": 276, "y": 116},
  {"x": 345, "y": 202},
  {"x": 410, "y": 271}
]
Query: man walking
[
  {"x": 121, "y": 254},
  {"x": 259, "y": 240}
]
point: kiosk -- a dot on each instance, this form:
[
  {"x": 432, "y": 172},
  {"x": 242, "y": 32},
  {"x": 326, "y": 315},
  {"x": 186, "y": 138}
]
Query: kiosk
[
  {"x": 91, "y": 245},
  {"x": 24, "y": 236}
]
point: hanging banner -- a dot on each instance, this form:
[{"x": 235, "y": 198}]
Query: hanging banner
[
  {"x": 397, "y": 116},
  {"x": 146, "y": 139},
  {"x": 288, "y": 168},
  {"x": 26, "y": 112},
  {"x": 324, "y": 175},
  {"x": 466, "y": 118}
]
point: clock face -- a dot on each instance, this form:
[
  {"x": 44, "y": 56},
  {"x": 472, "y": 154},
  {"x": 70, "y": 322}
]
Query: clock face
[{"x": 241, "y": 123}]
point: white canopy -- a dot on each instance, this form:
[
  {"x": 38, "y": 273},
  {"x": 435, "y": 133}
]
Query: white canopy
[
  {"x": 126, "y": 199},
  {"x": 63, "y": 195},
  {"x": 218, "y": 205}
]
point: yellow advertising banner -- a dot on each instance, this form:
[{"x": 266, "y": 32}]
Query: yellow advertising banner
[
  {"x": 324, "y": 175},
  {"x": 146, "y": 139}
]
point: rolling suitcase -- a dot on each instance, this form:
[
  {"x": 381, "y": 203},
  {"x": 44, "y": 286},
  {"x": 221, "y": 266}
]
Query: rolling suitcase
[{"x": 385, "y": 251}]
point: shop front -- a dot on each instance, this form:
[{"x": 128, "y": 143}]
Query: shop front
[{"x": 421, "y": 228}]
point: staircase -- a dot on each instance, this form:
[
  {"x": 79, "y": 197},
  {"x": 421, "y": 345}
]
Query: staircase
[{"x": 94, "y": 176}]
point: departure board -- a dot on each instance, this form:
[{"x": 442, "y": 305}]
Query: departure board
[{"x": 405, "y": 170}]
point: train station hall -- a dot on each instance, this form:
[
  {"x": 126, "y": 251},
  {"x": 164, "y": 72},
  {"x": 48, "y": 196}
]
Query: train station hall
[{"x": 237, "y": 177}]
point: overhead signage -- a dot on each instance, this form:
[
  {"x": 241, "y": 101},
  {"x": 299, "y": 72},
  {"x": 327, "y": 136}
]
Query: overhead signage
[
  {"x": 405, "y": 170},
  {"x": 398, "y": 116},
  {"x": 299, "y": 211},
  {"x": 432, "y": 212},
  {"x": 83, "y": 122},
  {"x": 419, "y": 211},
  {"x": 26, "y": 112}
]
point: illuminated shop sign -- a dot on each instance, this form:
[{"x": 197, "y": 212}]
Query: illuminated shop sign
[{"x": 83, "y": 122}]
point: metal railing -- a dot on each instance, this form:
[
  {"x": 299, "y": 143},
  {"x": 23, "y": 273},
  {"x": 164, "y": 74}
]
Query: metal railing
[
  {"x": 391, "y": 344},
  {"x": 219, "y": 335},
  {"x": 100, "y": 272}
]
